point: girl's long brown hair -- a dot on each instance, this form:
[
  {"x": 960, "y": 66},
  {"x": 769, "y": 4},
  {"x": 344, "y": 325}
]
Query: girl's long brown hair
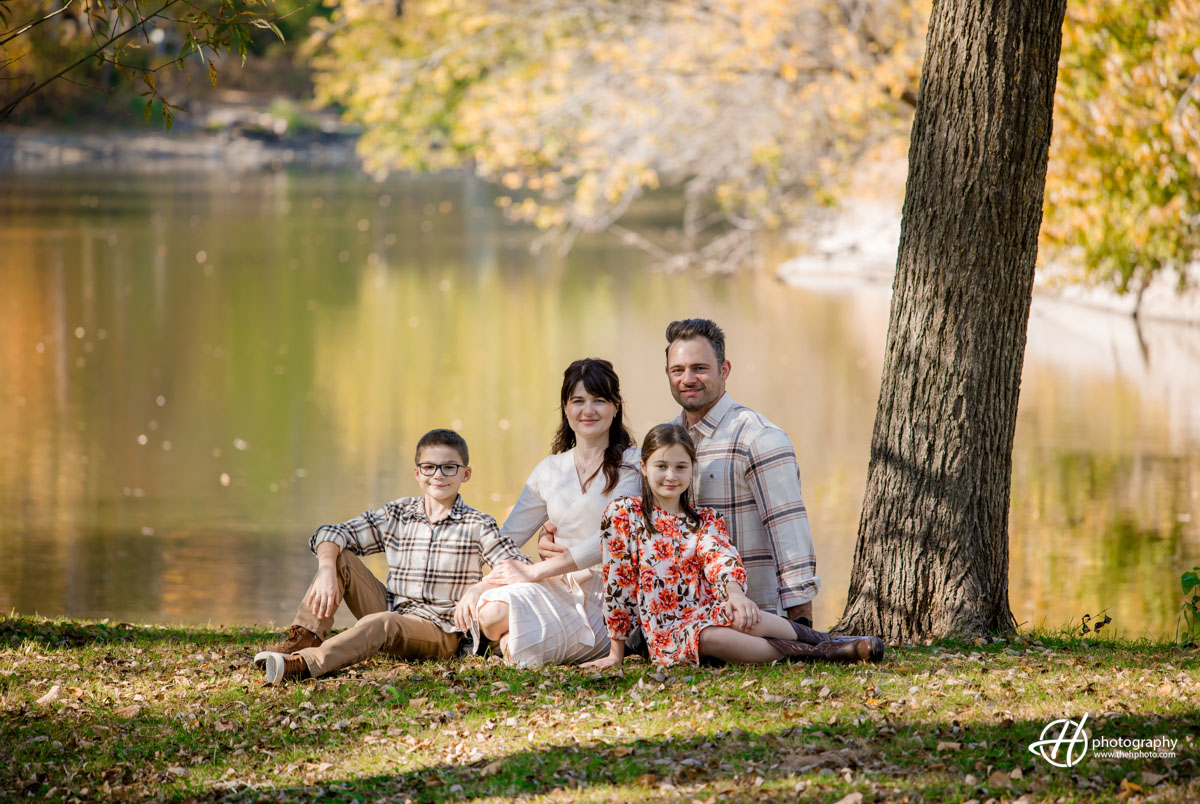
[
  {"x": 600, "y": 380},
  {"x": 667, "y": 435}
]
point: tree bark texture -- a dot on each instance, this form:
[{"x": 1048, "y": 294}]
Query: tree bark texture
[{"x": 932, "y": 551}]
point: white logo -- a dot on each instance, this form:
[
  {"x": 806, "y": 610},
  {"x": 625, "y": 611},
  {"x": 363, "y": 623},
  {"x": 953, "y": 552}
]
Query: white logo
[{"x": 1048, "y": 740}]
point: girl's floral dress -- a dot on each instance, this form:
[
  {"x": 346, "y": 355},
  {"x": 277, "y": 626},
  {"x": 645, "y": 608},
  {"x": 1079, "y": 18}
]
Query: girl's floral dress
[{"x": 673, "y": 582}]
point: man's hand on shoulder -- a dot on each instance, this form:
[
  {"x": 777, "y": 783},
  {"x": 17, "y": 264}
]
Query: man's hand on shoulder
[{"x": 547, "y": 547}]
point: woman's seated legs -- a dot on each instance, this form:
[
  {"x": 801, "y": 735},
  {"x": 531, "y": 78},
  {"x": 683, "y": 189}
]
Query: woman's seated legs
[{"x": 493, "y": 619}]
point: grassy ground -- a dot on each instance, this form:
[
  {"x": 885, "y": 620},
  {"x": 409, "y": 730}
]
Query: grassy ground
[{"x": 118, "y": 711}]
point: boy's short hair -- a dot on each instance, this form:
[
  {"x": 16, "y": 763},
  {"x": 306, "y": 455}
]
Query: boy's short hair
[
  {"x": 690, "y": 328},
  {"x": 443, "y": 438}
]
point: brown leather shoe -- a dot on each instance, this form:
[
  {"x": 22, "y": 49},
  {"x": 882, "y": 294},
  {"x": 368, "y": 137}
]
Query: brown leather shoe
[
  {"x": 282, "y": 667},
  {"x": 842, "y": 650},
  {"x": 298, "y": 638}
]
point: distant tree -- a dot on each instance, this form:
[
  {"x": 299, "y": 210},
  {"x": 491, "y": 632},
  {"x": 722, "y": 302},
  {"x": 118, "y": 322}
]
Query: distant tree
[
  {"x": 753, "y": 109},
  {"x": 1123, "y": 194},
  {"x": 98, "y": 44},
  {"x": 932, "y": 553}
]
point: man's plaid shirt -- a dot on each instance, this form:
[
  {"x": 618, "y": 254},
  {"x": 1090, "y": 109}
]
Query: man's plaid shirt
[
  {"x": 746, "y": 469},
  {"x": 430, "y": 564}
]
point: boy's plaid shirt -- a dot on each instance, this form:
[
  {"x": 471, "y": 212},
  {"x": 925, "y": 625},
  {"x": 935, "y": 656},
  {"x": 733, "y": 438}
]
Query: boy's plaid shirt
[
  {"x": 746, "y": 469},
  {"x": 430, "y": 565}
]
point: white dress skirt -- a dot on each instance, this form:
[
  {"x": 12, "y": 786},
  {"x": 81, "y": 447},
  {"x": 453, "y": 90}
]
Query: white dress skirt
[
  {"x": 561, "y": 620},
  {"x": 556, "y": 621}
]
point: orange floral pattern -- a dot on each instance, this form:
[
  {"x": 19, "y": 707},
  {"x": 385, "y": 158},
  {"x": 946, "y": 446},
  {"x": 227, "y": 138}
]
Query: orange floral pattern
[{"x": 673, "y": 583}]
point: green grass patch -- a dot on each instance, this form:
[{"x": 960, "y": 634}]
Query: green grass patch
[{"x": 103, "y": 711}]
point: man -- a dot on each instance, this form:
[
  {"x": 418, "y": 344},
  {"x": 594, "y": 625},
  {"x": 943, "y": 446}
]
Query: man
[{"x": 746, "y": 469}]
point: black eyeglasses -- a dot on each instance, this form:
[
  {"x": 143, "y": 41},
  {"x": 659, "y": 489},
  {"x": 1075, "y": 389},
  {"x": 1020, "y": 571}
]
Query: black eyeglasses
[{"x": 448, "y": 469}]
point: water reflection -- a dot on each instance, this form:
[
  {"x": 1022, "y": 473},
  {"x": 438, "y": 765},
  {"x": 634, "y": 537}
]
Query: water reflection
[{"x": 200, "y": 369}]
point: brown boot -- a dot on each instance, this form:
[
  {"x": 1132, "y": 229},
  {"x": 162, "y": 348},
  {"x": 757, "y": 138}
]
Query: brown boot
[
  {"x": 842, "y": 650},
  {"x": 298, "y": 638},
  {"x": 282, "y": 667},
  {"x": 809, "y": 635}
]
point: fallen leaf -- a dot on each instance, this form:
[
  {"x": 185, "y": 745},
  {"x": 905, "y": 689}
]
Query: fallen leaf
[
  {"x": 970, "y": 779},
  {"x": 1128, "y": 788},
  {"x": 127, "y": 712},
  {"x": 646, "y": 780},
  {"x": 1151, "y": 779},
  {"x": 949, "y": 746},
  {"x": 825, "y": 692},
  {"x": 50, "y": 697},
  {"x": 492, "y": 768},
  {"x": 999, "y": 779},
  {"x": 853, "y": 798},
  {"x": 417, "y": 701},
  {"x": 175, "y": 770},
  {"x": 1016, "y": 773},
  {"x": 622, "y": 751}
]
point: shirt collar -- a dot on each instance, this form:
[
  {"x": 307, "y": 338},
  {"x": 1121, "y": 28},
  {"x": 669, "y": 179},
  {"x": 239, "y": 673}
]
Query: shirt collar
[
  {"x": 457, "y": 511},
  {"x": 708, "y": 425}
]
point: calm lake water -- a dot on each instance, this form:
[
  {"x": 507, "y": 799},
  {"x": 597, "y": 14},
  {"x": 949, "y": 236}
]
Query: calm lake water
[{"x": 197, "y": 370}]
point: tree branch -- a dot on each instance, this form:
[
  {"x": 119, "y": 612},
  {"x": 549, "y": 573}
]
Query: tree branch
[
  {"x": 14, "y": 33},
  {"x": 8, "y": 108}
]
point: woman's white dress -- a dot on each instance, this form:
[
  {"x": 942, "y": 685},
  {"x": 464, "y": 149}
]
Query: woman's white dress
[{"x": 561, "y": 620}]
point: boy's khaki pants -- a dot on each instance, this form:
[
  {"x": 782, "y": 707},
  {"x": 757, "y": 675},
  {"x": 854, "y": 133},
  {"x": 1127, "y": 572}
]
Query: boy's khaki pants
[{"x": 405, "y": 636}]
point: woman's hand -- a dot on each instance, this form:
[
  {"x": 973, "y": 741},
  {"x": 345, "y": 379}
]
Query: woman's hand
[
  {"x": 510, "y": 571},
  {"x": 547, "y": 547},
  {"x": 743, "y": 612}
]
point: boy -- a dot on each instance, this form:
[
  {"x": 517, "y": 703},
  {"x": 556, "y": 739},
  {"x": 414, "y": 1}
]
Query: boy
[{"x": 435, "y": 545}]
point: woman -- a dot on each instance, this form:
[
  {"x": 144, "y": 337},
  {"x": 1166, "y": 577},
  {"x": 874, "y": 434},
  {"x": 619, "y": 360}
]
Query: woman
[{"x": 552, "y": 612}]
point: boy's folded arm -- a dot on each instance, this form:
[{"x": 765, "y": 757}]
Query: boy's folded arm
[{"x": 362, "y": 535}]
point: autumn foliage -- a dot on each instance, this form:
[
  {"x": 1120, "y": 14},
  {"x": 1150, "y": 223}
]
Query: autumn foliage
[
  {"x": 1123, "y": 190},
  {"x": 753, "y": 109}
]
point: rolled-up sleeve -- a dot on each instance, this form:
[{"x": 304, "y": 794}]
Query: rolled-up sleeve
[
  {"x": 774, "y": 479},
  {"x": 362, "y": 535}
]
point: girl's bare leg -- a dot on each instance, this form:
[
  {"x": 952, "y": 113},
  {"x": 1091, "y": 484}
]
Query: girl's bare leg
[
  {"x": 493, "y": 619},
  {"x": 746, "y": 647},
  {"x": 772, "y": 625},
  {"x": 734, "y": 646}
]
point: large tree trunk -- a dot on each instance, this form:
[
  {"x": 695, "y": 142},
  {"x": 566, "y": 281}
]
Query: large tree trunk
[{"x": 932, "y": 552}]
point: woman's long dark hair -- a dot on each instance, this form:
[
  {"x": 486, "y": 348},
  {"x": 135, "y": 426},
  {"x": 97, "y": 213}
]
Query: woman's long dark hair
[
  {"x": 667, "y": 435},
  {"x": 600, "y": 380}
]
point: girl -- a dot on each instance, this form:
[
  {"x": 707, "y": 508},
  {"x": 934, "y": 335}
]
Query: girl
[{"x": 671, "y": 567}]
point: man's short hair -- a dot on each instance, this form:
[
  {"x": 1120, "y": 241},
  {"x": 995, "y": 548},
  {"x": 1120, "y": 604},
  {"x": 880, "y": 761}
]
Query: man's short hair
[
  {"x": 443, "y": 438},
  {"x": 690, "y": 328}
]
